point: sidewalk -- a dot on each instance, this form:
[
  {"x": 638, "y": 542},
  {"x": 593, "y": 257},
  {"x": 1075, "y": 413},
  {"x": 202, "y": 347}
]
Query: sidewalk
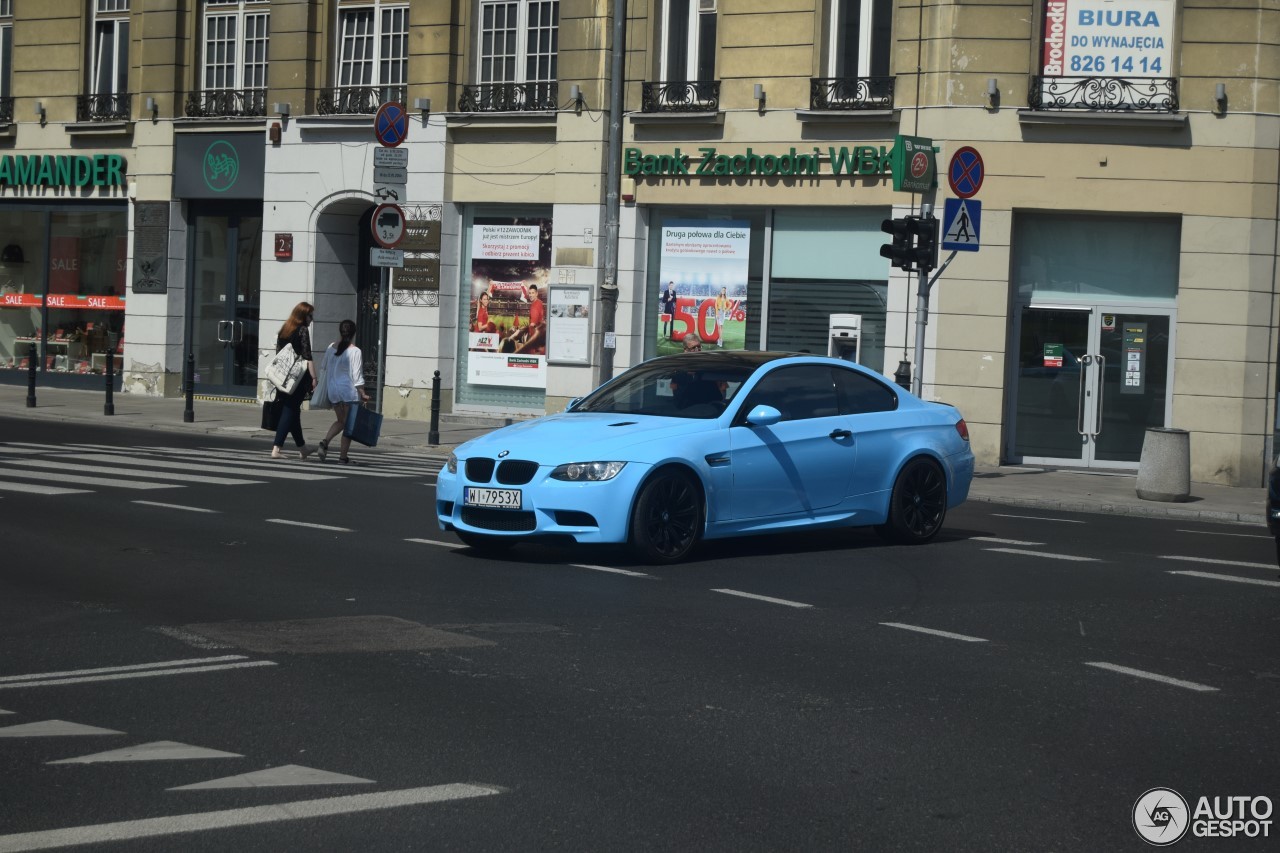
[{"x": 1033, "y": 487}]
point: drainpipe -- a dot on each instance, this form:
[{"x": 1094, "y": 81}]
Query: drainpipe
[{"x": 612, "y": 187}]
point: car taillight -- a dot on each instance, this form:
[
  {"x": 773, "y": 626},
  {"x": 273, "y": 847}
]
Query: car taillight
[{"x": 963, "y": 429}]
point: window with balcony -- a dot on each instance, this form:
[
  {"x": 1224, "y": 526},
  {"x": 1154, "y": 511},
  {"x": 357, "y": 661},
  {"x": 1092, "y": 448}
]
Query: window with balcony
[
  {"x": 6, "y": 61},
  {"x": 372, "y": 58},
  {"x": 233, "y": 59},
  {"x": 518, "y": 41},
  {"x": 688, "y": 51},
  {"x": 108, "y": 97},
  {"x": 860, "y": 40},
  {"x": 1107, "y": 60}
]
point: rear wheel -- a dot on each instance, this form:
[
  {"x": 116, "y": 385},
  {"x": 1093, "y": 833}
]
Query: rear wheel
[
  {"x": 667, "y": 520},
  {"x": 483, "y": 544},
  {"x": 917, "y": 505}
]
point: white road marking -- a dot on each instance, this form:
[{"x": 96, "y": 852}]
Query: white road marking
[
  {"x": 116, "y": 470},
  {"x": 256, "y": 815},
  {"x": 1231, "y": 578},
  {"x": 78, "y": 479},
  {"x": 615, "y": 571},
  {"x": 164, "y": 664},
  {"x": 1152, "y": 676},
  {"x": 289, "y": 775},
  {"x": 34, "y": 489},
  {"x": 1047, "y": 556},
  {"x": 1038, "y": 518},
  {"x": 751, "y": 595},
  {"x": 1220, "y": 533},
  {"x": 20, "y": 451},
  {"x": 1270, "y": 567},
  {"x": 177, "y": 506},
  {"x": 275, "y": 470},
  {"x": 935, "y": 632},
  {"x": 160, "y": 750},
  {"x": 54, "y": 728},
  {"x": 153, "y": 673},
  {"x": 3, "y": 711},
  {"x": 997, "y": 540},
  {"x": 255, "y": 459},
  {"x": 437, "y": 542},
  {"x": 310, "y": 524}
]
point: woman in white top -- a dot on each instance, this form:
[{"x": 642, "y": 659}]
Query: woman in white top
[{"x": 344, "y": 380}]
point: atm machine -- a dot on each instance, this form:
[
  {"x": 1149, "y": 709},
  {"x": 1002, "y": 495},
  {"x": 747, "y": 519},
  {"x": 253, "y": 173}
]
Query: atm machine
[{"x": 844, "y": 337}]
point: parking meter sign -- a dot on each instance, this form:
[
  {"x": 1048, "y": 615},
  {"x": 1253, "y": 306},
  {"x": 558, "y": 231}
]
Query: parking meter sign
[{"x": 388, "y": 225}]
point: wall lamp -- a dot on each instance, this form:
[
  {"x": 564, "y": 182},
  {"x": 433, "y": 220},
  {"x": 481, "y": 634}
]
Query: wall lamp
[
  {"x": 282, "y": 110},
  {"x": 423, "y": 105},
  {"x": 152, "y": 107},
  {"x": 993, "y": 93},
  {"x": 758, "y": 94},
  {"x": 1220, "y": 98},
  {"x": 40, "y": 111},
  {"x": 575, "y": 97}
]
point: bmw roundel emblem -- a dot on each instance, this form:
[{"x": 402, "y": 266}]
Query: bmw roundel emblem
[{"x": 504, "y": 454}]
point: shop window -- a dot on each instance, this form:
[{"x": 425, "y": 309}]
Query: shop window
[
  {"x": 688, "y": 59},
  {"x": 108, "y": 96},
  {"x": 233, "y": 75},
  {"x": 1077, "y": 258},
  {"x": 373, "y": 58},
  {"x": 858, "y": 49},
  {"x": 517, "y": 50}
]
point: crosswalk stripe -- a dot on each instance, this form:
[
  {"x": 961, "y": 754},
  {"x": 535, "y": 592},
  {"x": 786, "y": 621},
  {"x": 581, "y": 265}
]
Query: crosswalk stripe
[
  {"x": 178, "y": 465},
  {"x": 36, "y": 489},
  {"x": 81, "y": 480},
  {"x": 257, "y": 460},
  {"x": 116, "y": 471}
]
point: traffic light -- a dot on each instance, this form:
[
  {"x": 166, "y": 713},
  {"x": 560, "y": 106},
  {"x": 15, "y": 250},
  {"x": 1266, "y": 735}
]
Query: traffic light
[
  {"x": 900, "y": 252},
  {"x": 925, "y": 254}
]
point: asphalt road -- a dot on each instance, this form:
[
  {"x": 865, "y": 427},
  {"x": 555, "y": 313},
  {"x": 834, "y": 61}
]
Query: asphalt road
[{"x": 780, "y": 693}]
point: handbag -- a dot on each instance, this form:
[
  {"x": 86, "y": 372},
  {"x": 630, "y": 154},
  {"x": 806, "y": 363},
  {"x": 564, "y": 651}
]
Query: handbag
[
  {"x": 320, "y": 397},
  {"x": 286, "y": 369},
  {"x": 363, "y": 425},
  {"x": 271, "y": 414}
]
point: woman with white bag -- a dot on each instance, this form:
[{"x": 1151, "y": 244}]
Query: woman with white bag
[
  {"x": 294, "y": 333},
  {"x": 344, "y": 384}
]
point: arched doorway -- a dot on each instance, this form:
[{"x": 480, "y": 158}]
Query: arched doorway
[{"x": 346, "y": 286}]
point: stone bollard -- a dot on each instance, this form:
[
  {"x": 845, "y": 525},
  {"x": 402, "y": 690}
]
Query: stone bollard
[{"x": 1164, "y": 471}]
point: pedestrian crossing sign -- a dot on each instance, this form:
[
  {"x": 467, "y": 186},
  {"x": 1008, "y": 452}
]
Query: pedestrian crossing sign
[{"x": 961, "y": 224}]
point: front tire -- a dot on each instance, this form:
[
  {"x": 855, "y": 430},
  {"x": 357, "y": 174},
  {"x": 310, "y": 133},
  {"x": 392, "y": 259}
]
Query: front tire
[
  {"x": 918, "y": 504},
  {"x": 667, "y": 520},
  {"x": 482, "y": 544}
]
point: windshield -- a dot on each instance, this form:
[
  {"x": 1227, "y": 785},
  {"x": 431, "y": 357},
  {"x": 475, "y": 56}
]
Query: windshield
[{"x": 679, "y": 386}]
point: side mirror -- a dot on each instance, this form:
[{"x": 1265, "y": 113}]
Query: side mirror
[{"x": 764, "y": 416}]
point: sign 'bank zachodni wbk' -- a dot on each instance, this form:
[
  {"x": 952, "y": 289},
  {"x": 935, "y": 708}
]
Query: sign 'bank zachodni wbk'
[{"x": 842, "y": 160}]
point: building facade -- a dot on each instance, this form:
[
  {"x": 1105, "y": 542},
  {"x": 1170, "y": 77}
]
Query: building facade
[{"x": 175, "y": 181}]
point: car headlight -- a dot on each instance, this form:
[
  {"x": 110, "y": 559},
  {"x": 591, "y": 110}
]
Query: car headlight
[
  {"x": 587, "y": 471},
  {"x": 452, "y": 464}
]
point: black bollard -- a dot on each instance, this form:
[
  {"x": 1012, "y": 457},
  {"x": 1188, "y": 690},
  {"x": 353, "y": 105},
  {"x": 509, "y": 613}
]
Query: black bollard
[
  {"x": 902, "y": 376},
  {"x": 189, "y": 413},
  {"x": 31, "y": 377},
  {"x": 433, "y": 434},
  {"x": 109, "y": 407}
]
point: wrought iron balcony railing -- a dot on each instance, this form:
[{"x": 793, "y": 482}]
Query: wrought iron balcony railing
[
  {"x": 348, "y": 100},
  {"x": 851, "y": 93},
  {"x": 1109, "y": 94},
  {"x": 111, "y": 107},
  {"x": 672, "y": 96},
  {"x": 6, "y": 110},
  {"x": 215, "y": 103},
  {"x": 508, "y": 97}
]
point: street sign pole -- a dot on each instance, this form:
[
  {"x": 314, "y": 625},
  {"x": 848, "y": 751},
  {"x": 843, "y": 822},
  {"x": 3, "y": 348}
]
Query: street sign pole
[
  {"x": 384, "y": 286},
  {"x": 922, "y": 317}
]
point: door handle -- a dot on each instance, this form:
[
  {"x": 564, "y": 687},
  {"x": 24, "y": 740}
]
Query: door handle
[
  {"x": 224, "y": 326},
  {"x": 1102, "y": 369},
  {"x": 840, "y": 433},
  {"x": 238, "y": 334},
  {"x": 1085, "y": 361}
]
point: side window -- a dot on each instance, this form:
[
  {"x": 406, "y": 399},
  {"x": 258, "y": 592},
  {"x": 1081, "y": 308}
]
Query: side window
[
  {"x": 860, "y": 394},
  {"x": 799, "y": 393}
]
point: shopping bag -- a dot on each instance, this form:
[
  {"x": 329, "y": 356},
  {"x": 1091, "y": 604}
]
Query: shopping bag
[
  {"x": 320, "y": 396},
  {"x": 363, "y": 425},
  {"x": 271, "y": 414},
  {"x": 285, "y": 370}
]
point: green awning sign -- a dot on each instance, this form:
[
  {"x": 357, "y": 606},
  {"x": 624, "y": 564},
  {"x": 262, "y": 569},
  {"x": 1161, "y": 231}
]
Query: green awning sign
[{"x": 914, "y": 167}]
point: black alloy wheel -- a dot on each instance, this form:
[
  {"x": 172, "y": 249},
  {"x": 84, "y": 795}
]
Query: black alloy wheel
[
  {"x": 667, "y": 520},
  {"x": 918, "y": 504}
]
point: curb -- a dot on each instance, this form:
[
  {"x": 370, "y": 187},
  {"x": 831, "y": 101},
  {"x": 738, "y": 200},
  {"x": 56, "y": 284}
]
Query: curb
[{"x": 1105, "y": 508}]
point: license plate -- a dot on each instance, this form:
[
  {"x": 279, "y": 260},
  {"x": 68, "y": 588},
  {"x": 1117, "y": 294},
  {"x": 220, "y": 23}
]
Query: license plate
[{"x": 501, "y": 498}]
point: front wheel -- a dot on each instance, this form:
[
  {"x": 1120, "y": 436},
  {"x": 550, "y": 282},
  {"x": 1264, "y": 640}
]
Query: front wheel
[
  {"x": 667, "y": 520},
  {"x": 917, "y": 505},
  {"x": 482, "y": 544}
]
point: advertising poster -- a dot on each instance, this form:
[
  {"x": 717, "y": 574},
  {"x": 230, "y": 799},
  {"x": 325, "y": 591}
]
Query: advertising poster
[
  {"x": 1108, "y": 38},
  {"x": 510, "y": 268},
  {"x": 702, "y": 287},
  {"x": 570, "y": 329}
]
